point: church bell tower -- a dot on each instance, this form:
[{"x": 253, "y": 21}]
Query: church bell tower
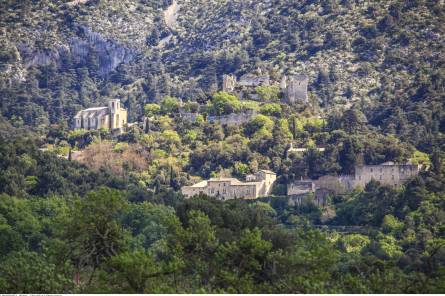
[{"x": 114, "y": 107}]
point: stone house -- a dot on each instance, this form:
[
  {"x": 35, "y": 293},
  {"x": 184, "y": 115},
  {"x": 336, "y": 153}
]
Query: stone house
[
  {"x": 386, "y": 173},
  {"x": 257, "y": 185},
  {"x": 111, "y": 117},
  {"x": 300, "y": 190}
]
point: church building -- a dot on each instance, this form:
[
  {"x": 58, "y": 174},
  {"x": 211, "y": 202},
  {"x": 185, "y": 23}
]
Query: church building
[{"x": 111, "y": 117}]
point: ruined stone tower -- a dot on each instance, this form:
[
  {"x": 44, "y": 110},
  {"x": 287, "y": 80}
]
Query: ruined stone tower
[
  {"x": 294, "y": 88},
  {"x": 229, "y": 83}
]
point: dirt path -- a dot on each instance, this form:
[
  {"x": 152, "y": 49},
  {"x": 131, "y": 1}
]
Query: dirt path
[
  {"x": 77, "y": 2},
  {"x": 171, "y": 14}
]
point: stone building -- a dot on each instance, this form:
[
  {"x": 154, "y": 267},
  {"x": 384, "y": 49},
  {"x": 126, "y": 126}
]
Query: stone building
[
  {"x": 386, "y": 173},
  {"x": 300, "y": 187},
  {"x": 294, "y": 88},
  {"x": 111, "y": 117},
  {"x": 301, "y": 190},
  {"x": 257, "y": 185}
]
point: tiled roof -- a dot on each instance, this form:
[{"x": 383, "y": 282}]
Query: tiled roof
[{"x": 92, "y": 112}]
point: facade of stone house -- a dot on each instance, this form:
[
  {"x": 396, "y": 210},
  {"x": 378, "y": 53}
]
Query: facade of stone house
[
  {"x": 111, "y": 117},
  {"x": 257, "y": 185},
  {"x": 386, "y": 173}
]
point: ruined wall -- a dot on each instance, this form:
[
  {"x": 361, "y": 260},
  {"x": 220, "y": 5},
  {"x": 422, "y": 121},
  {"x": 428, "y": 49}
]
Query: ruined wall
[
  {"x": 233, "y": 118},
  {"x": 253, "y": 81},
  {"x": 300, "y": 187}
]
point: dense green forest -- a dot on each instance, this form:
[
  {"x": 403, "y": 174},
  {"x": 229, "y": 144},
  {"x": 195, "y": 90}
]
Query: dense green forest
[
  {"x": 66, "y": 228},
  {"x": 95, "y": 212}
]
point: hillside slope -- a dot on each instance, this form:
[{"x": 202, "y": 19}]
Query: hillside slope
[{"x": 60, "y": 56}]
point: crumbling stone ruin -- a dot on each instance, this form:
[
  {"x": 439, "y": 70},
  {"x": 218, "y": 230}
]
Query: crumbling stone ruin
[
  {"x": 293, "y": 87},
  {"x": 233, "y": 118}
]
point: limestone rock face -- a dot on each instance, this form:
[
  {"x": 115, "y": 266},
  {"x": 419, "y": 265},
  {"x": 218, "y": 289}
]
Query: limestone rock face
[{"x": 109, "y": 53}]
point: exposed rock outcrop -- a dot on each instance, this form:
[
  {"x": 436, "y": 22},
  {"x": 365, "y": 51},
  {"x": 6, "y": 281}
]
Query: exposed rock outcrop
[{"x": 109, "y": 53}]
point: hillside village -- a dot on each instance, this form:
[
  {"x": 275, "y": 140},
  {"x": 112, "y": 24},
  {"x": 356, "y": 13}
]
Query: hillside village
[
  {"x": 293, "y": 90},
  {"x": 222, "y": 146}
]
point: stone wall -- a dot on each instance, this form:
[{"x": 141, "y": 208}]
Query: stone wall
[
  {"x": 388, "y": 174},
  {"x": 233, "y": 118}
]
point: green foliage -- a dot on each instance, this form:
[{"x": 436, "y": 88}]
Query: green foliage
[
  {"x": 241, "y": 169},
  {"x": 169, "y": 105},
  {"x": 29, "y": 272},
  {"x": 151, "y": 110},
  {"x": 135, "y": 272},
  {"x": 272, "y": 109},
  {"x": 93, "y": 231},
  {"x": 224, "y": 103},
  {"x": 420, "y": 158},
  {"x": 259, "y": 122},
  {"x": 354, "y": 243},
  {"x": 268, "y": 93},
  {"x": 392, "y": 225},
  {"x": 52, "y": 230}
]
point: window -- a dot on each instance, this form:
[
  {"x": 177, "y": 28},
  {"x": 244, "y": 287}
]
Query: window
[
  {"x": 112, "y": 105},
  {"x": 393, "y": 177},
  {"x": 371, "y": 170},
  {"x": 380, "y": 177}
]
